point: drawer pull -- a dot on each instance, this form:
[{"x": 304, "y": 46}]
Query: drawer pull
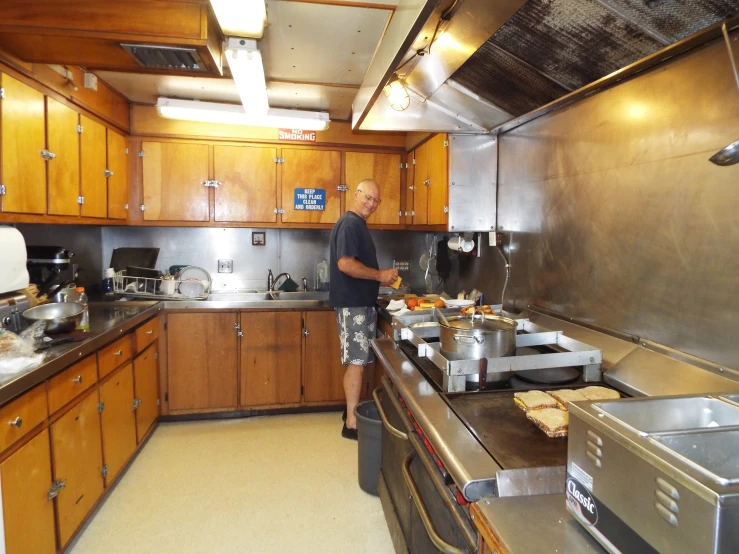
[
  {"x": 78, "y": 379},
  {"x": 392, "y": 430},
  {"x": 119, "y": 353},
  {"x": 17, "y": 422},
  {"x": 150, "y": 332}
]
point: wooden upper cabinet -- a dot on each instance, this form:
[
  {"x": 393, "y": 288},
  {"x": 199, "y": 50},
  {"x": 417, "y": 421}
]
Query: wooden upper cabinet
[
  {"x": 146, "y": 389},
  {"x": 270, "y": 358},
  {"x": 28, "y": 515},
  {"x": 22, "y": 137},
  {"x": 64, "y": 168},
  {"x": 94, "y": 184},
  {"x": 118, "y": 175},
  {"x": 420, "y": 185},
  {"x": 323, "y": 374},
  {"x": 78, "y": 462},
  {"x": 438, "y": 176},
  {"x": 118, "y": 420},
  {"x": 174, "y": 179},
  {"x": 202, "y": 361},
  {"x": 248, "y": 184},
  {"x": 383, "y": 168},
  {"x": 316, "y": 170}
]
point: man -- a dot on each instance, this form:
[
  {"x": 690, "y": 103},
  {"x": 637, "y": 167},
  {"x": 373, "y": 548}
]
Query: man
[{"x": 355, "y": 282}]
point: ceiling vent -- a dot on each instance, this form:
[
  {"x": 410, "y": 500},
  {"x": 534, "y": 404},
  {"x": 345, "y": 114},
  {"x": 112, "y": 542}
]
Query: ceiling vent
[{"x": 166, "y": 57}]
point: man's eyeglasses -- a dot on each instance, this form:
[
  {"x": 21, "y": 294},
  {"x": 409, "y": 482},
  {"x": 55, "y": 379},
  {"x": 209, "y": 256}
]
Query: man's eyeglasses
[{"x": 370, "y": 198}]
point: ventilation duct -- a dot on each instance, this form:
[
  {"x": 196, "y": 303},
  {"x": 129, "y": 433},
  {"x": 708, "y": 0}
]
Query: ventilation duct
[{"x": 166, "y": 57}]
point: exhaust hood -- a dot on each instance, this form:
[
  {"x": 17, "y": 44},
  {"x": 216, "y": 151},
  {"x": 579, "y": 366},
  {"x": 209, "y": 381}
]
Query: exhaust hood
[{"x": 472, "y": 65}]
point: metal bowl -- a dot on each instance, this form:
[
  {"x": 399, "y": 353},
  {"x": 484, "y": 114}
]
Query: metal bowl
[{"x": 60, "y": 317}]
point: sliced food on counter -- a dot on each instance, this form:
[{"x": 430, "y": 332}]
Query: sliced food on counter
[
  {"x": 599, "y": 393},
  {"x": 534, "y": 400},
  {"x": 552, "y": 421},
  {"x": 566, "y": 395},
  {"x": 469, "y": 310}
]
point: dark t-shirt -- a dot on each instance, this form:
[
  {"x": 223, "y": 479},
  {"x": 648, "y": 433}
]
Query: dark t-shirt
[{"x": 350, "y": 237}]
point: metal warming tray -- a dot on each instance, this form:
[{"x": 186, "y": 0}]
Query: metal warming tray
[{"x": 680, "y": 493}]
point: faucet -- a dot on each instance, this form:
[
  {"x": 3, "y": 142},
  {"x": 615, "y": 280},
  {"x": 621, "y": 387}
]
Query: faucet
[
  {"x": 305, "y": 284},
  {"x": 274, "y": 282},
  {"x": 270, "y": 280}
]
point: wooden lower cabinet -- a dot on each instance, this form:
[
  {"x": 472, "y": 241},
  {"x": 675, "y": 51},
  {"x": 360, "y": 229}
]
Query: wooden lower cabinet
[
  {"x": 119, "y": 421},
  {"x": 146, "y": 389},
  {"x": 270, "y": 358},
  {"x": 27, "y": 512},
  {"x": 202, "y": 355},
  {"x": 323, "y": 374},
  {"x": 77, "y": 453}
]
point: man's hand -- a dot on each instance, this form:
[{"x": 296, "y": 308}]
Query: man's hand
[{"x": 387, "y": 277}]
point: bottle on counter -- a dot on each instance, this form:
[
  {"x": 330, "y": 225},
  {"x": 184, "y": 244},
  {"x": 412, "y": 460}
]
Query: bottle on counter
[
  {"x": 81, "y": 298},
  {"x": 322, "y": 276},
  {"x": 106, "y": 285}
]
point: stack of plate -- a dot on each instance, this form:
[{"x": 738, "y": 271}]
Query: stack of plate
[{"x": 194, "y": 281}]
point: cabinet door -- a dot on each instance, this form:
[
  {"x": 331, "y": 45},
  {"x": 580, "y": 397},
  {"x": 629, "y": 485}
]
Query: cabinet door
[
  {"x": 383, "y": 168},
  {"x": 146, "y": 389},
  {"x": 119, "y": 422},
  {"x": 92, "y": 167},
  {"x": 174, "y": 181},
  {"x": 438, "y": 176},
  {"x": 64, "y": 168},
  {"x": 311, "y": 169},
  {"x": 323, "y": 375},
  {"x": 78, "y": 461},
  {"x": 248, "y": 189},
  {"x": 420, "y": 185},
  {"x": 22, "y": 131},
  {"x": 118, "y": 180},
  {"x": 270, "y": 358},
  {"x": 27, "y": 512},
  {"x": 202, "y": 361}
]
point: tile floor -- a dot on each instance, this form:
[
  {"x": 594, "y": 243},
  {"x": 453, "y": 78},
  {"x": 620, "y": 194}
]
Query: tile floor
[{"x": 279, "y": 484}]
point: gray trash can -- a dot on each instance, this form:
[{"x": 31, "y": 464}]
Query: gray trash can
[{"x": 369, "y": 431}]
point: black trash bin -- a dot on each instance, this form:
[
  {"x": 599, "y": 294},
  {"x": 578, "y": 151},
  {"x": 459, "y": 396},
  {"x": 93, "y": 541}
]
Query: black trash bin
[{"x": 369, "y": 430}]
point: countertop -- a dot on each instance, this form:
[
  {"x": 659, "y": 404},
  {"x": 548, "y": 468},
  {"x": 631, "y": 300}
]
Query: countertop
[
  {"x": 107, "y": 322},
  {"x": 528, "y": 524}
]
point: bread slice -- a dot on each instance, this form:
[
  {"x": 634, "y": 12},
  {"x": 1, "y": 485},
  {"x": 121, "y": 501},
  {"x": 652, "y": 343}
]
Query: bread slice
[
  {"x": 599, "y": 393},
  {"x": 533, "y": 400},
  {"x": 566, "y": 395},
  {"x": 555, "y": 423}
]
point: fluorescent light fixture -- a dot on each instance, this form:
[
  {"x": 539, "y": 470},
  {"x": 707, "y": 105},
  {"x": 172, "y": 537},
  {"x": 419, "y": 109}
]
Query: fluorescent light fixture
[
  {"x": 397, "y": 94},
  {"x": 240, "y": 18},
  {"x": 245, "y": 62},
  {"x": 214, "y": 112}
]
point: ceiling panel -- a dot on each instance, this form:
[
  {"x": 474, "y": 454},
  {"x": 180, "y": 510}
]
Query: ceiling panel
[
  {"x": 337, "y": 101},
  {"x": 320, "y": 43}
]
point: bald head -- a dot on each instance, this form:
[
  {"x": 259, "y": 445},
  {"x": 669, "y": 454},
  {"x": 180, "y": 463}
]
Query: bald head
[{"x": 366, "y": 198}]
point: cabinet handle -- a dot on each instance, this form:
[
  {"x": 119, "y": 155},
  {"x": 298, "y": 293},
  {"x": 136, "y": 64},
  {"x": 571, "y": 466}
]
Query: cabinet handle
[
  {"x": 78, "y": 379},
  {"x": 390, "y": 429},
  {"x": 108, "y": 173},
  {"x": 412, "y": 187},
  {"x": 17, "y": 422},
  {"x": 440, "y": 543},
  {"x": 45, "y": 154},
  {"x": 306, "y": 332},
  {"x": 150, "y": 332},
  {"x": 119, "y": 353},
  {"x": 56, "y": 486}
]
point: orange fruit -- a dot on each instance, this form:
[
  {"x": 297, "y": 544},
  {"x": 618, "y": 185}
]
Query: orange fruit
[
  {"x": 412, "y": 303},
  {"x": 439, "y": 303}
]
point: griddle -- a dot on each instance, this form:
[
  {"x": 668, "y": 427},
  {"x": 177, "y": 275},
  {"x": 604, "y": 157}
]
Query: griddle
[{"x": 505, "y": 432}]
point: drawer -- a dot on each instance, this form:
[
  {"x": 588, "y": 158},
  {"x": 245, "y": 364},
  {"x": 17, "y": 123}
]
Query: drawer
[
  {"x": 114, "y": 355},
  {"x": 71, "y": 382},
  {"x": 21, "y": 415},
  {"x": 146, "y": 334}
]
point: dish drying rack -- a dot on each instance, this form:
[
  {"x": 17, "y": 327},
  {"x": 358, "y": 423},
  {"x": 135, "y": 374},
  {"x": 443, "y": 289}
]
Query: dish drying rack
[{"x": 149, "y": 287}]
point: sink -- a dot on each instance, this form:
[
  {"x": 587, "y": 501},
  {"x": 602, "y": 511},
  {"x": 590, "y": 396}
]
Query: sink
[
  {"x": 301, "y": 295},
  {"x": 251, "y": 296},
  {"x": 262, "y": 296}
]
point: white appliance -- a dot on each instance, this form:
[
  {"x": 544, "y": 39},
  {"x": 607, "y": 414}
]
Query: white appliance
[{"x": 13, "y": 272}]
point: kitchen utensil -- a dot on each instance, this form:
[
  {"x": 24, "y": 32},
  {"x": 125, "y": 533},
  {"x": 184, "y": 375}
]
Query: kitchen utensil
[
  {"x": 442, "y": 317},
  {"x": 458, "y": 303},
  {"x": 729, "y": 155},
  {"x": 192, "y": 272},
  {"x": 478, "y": 337},
  {"x": 192, "y": 288},
  {"x": 144, "y": 285},
  {"x": 58, "y": 293},
  {"x": 61, "y": 317},
  {"x": 133, "y": 256},
  {"x": 45, "y": 266},
  {"x": 13, "y": 272}
]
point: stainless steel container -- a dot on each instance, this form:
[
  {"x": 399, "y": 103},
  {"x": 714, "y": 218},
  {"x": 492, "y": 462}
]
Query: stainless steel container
[
  {"x": 61, "y": 317},
  {"x": 474, "y": 338}
]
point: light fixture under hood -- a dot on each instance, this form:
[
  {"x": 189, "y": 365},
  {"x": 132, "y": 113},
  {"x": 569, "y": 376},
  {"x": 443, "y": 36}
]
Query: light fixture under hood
[
  {"x": 240, "y": 18},
  {"x": 214, "y": 112},
  {"x": 397, "y": 94}
]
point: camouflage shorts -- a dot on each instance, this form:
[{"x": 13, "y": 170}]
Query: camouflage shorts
[{"x": 356, "y": 329}]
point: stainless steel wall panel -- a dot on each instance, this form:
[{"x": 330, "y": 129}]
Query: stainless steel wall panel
[
  {"x": 473, "y": 175},
  {"x": 618, "y": 218}
]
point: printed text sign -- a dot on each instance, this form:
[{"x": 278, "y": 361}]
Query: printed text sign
[
  {"x": 297, "y": 135},
  {"x": 310, "y": 199}
]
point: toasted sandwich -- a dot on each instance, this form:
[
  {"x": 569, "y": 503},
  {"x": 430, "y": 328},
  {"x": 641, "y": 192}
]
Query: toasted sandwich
[
  {"x": 552, "y": 421},
  {"x": 566, "y": 395},
  {"x": 533, "y": 400},
  {"x": 599, "y": 393}
]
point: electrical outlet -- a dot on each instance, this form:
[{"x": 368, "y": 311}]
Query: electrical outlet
[
  {"x": 225, "y": 266},
  {"x": 401, "y": 265}
]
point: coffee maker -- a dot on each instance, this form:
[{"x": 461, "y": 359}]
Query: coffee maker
[{"x": 50, "y": 268}]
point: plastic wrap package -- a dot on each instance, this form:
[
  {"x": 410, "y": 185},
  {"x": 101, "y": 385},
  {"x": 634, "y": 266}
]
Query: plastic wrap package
[{"x": 18, "y": 352}]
